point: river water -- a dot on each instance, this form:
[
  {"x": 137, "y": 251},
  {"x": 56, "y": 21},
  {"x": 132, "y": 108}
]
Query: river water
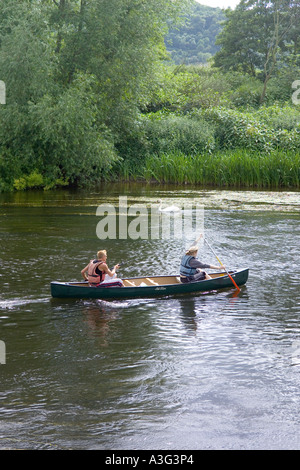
[{"x": 208, "y": 371}]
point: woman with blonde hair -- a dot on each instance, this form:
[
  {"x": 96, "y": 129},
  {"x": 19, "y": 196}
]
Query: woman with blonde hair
[
  {"x": 98, "y": 273},
  {"x": 191, "y": 267}
]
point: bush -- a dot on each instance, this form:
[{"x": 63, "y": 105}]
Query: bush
[
  {"x": 251, "y": 131},
  {"x": 278, "y": 116},
  {"x": 9, "y": 169},
  {"x": 235, "y": 129},
  {"x": 247, "y": 95},
  {"x": 58, "y": 138},
  {"x": 168, "y": 133},
  {"x": 67, "y": 137},
  {"x": 35, "y": 180}
]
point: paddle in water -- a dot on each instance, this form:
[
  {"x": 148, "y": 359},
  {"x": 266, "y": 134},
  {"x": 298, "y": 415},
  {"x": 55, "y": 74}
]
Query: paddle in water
[{"x": 233, "y": 281}]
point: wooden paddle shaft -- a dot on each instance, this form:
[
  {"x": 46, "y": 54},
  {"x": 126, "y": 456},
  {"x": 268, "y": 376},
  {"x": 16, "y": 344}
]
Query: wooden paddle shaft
[{"x": 233, "y": 281}]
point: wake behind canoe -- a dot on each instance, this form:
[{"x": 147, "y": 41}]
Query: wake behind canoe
[{"x": 152, "y": 286}]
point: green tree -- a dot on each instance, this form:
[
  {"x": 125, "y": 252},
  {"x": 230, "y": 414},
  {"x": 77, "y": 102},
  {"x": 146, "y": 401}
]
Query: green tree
[
  {"x": 259, "y": 37},
  {"x": 77, "y": 74},
  {"x": 121, "y": 43},
  {"x": 45, "y": 126}
]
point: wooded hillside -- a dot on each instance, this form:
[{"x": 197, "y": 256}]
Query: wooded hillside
[{"x": 194, "y": 43}]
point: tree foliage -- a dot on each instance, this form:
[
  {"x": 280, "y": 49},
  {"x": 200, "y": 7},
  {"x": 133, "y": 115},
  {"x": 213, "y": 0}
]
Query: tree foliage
[
  {"x": 76, "y": 73},
  {"x": 90, "y": 92},
  {"x": 194, "y": 41},
  {"x": 259, "y": 38}
]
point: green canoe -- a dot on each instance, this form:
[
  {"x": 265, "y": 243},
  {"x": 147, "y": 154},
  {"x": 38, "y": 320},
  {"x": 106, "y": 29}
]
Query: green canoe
[{"x": 155, "y": 286}]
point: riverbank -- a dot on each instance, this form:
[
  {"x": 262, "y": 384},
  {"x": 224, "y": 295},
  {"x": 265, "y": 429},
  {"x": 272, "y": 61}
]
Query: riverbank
[{"x": 239, "y": 168}]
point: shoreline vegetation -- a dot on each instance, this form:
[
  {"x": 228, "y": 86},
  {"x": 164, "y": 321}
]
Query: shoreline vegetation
[
  {"x": 88, "y": 102},
  {"x": 231, "y": 169},
  {"x": 237, "y": 169}
]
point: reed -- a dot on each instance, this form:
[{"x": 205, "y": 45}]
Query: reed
[{"x": 236, "y": 168}]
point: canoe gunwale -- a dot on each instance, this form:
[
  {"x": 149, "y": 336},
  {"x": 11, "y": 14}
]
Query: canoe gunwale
[{"x": 82, "y": 290}]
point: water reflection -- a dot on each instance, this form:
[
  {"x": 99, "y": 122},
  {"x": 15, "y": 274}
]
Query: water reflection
[
  {"x": 99, "y": 314},
  {"x": 98, "y": 320},
  {"x": 238, "y": 200},
  {"x": 188, "y": 315}
]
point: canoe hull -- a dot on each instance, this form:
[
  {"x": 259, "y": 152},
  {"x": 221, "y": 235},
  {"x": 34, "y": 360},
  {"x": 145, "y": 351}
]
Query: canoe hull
[{"x": 83, "y": 291}]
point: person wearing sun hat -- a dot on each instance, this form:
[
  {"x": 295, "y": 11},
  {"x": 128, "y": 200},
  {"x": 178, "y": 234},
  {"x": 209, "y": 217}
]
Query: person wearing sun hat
[{"x": 191, "y": 268}]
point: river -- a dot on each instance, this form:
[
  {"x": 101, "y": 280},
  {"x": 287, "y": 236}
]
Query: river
[{"x": 208, "y": 371}]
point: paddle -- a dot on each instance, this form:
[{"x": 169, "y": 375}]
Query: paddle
[{"x": 233, "y": 281}]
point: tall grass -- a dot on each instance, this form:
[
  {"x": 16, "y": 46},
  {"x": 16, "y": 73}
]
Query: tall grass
[{"x": 235, "y": 168}]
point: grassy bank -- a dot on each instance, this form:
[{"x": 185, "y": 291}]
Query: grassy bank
[{"x": 232, "y": 168}]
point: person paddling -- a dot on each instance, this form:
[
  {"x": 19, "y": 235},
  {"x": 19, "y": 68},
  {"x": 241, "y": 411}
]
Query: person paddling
[
  {"x": 98, "y": 273},
  {"x": 191, "y": 267}
]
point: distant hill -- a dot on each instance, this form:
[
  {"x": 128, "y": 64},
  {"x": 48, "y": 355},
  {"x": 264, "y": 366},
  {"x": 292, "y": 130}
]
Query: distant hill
[{"x": 194, "y": 43}]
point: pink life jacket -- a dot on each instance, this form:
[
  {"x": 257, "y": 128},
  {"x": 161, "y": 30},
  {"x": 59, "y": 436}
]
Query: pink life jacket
[{"x": 94, "y": 278}]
